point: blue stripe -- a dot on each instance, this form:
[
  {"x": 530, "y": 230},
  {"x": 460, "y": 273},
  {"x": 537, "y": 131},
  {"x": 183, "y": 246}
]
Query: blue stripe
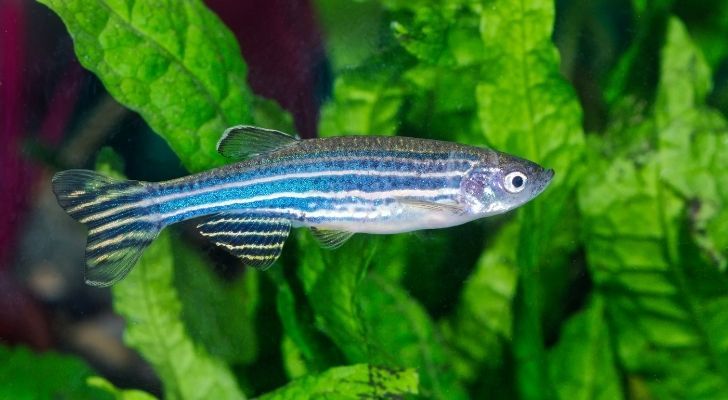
[
  {"x": 323, "y": 184},
  {"x": 242, "y": 172}
]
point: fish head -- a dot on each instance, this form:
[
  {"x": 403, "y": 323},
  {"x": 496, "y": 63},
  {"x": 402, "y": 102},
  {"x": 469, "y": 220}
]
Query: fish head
[{"x": 500, "y": 182}]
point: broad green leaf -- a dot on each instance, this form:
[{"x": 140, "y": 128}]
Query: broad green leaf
[
  {"x": 693, "y": 141},
  {"x": 173, "y": 62},
  {"x": 302, "y": 342},
  {"x": 352, "y": 29},
  {"x": 662, "y": 295},
  {"x": 582, "y": 363},
  {"x": 709, "y": 29},
  {"x": 152, "y": 308},
  {"x": 367, "y": 90},
  {"x": 372, "y": 319},
  {"x": 366, "y": 100},
  {"x": 28, "y": 375},
  {"x": 293, "y": 360},
  {"x": 350, "y": 382},
  {"x": 526, "y": 108},
  {"x": 480, "y": 329},
  {"x": 685, "y": 78},
  {"x": 443, "y": 34},
  {"x": 634, "y": 76},
  {"x": 422, "y": 263},
  {"x": 402, "y": 334},
  {"x": 116, "y": 393},
  {"x": 219, "y": 315},
  {"x": 445, "y": 39},
  {"x": 665, "y": 322},
  {"x": 443, "y": 104},
  {"x": 331, "y": 280}
]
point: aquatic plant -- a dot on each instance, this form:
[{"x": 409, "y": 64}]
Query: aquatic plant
[{"x": 636, "y": 210}]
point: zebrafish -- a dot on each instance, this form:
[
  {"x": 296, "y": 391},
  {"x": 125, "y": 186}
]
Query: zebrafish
[{"x": 335, "y": 186}]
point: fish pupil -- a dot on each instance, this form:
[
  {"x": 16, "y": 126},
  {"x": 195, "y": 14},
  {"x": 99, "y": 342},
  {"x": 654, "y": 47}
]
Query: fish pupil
[{"x": 517, "y": 181}]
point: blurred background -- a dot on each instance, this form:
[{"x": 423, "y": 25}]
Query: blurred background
[{"x": 56, "y": 115}]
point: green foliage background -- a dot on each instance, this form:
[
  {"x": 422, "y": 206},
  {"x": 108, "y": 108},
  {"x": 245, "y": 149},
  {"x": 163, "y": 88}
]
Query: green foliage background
[{"x": 634, "y": 226}]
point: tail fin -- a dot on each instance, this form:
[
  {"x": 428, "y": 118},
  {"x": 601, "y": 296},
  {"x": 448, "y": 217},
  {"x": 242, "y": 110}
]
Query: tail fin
[{"x": 120, "y": 218}]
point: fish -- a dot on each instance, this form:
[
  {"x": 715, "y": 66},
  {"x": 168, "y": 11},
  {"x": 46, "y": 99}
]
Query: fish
[{"x": 336, "y": 186}]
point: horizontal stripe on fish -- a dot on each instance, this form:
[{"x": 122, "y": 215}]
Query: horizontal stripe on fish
[
  {"x": 245, "y": 175},
  {"x": 312, "y": 186},
  {"x": 297, "y": 209},
  {"x": 324, "y": 180},
  {"x": 289, "y": 199},
  {"x": 208, "y": 182}
]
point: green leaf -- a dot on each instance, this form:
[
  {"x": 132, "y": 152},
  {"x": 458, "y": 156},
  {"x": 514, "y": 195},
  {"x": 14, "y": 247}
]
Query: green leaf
[
  {"x": 368, "y": 92},
  {"x": 685, "y": 78},
  {"x": 118, "y": 394},
  {"x": 401, "y": 334},
  {"x": 352, "y": 30},
  {"x": 28, "y": 375},
  {"x": 526, "y": 108},
  {"x": 350, "y": 382},
  {"x": 365, "y": 101},
  {"x": 665, "y": 322},
  {"x": 173, "y": 62},
  {"x": 480, "y": 329},
  {"x": 709, "y": 29},
  {"x": 331, "y": 280},
  {"x": 662, "y": 295},
  {"x": 692, "y": 141},
  {"x": 219, "y": 315},
  {"x": 371, "y": 319},
  {"x": 582, "y": 363},
  {"x": 293, "y": 361},
  {"x": 302, "y": 342},
  {"x": 445, "y": 39},
  {"x": 442, "y": 34},
  {"x": 148, "y": 301},
  {"x": 634, "y": 76}
]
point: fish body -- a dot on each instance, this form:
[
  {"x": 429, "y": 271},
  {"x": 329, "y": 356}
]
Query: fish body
[{"x": 336, "y": 186}]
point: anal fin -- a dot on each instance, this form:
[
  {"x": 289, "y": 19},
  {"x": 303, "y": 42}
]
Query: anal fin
[{"x": 257, "y": 241}]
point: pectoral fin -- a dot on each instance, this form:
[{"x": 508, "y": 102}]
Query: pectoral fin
[
  {"x": 432, "y": 206},
  {"x": 329, "y": 238},
  {"x": 258, "y": 242}
]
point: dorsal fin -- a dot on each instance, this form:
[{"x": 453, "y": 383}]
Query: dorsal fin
[{"x": 244, "y": 141}]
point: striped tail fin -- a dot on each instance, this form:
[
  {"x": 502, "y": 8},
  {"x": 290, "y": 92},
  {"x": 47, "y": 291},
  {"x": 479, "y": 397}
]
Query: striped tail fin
[{"x": 119, "y": 215}]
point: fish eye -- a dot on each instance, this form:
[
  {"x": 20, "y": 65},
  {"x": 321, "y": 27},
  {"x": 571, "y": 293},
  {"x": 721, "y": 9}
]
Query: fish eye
[{"x": 514, "y": 182}]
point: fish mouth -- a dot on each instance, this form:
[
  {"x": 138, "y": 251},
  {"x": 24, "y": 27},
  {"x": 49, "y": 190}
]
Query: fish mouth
[{"x": 546, "y": 176}]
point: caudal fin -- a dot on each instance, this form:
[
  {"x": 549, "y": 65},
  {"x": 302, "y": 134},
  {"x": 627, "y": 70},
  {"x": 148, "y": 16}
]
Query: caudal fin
[{"x": 120, "y": 217}]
